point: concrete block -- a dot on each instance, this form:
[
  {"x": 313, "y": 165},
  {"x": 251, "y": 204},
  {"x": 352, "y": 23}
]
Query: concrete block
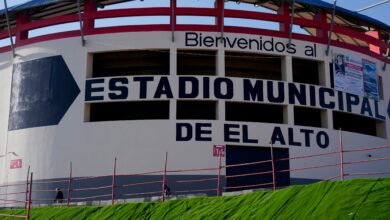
[
  {"x": 231, "y": 193},
  {"x": 96, "y": 203},
  {"x": 81, "y": 203},
  {"x": 155, "y": 199},
  {"x": 247, "y": 191},
  {"x": 120, "y": 201},
  {"x": 105, "y": 202},
  {"x": 135, "y": 200}
]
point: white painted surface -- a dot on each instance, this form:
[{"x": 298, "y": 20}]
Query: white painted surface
[{"x": 140, "y": 145}]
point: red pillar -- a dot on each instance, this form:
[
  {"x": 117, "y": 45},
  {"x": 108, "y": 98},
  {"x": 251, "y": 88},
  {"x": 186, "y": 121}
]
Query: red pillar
[
  {"x": 273, "y": 168},
  {"x": 284, "y": 11},
  {"x": 220, "y": 7},
  {"x": 374, "y": 34},
  {"x": 88, "y": 20},
  {"x": 219, "y": 174},
  {"x": 341, "y": 155},
  {"x": 21, "y": 34},
  {"x": 173, "y": 18},
  {"x": 29, "y": 198},
  {"x": 69, "y": 185},
  {"x": 164, "y": 182},
  {"x": 113, "y": 184},
  {"x": 173, "y": 15},
  {"x": 321, "y": 32},
  {"x": 27, "y": 185}
]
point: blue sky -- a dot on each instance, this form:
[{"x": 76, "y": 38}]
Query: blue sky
[{"x": 381, "y": 13}]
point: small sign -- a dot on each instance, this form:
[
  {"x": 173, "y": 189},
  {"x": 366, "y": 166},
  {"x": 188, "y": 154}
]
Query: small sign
[
  {"x": 16, "y": 164},
  {"x": 218, "y": 150}
]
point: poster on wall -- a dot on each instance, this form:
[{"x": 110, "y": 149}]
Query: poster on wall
[
  {"x": 370, "y": 76},
  {"x": 348, "y": 74},
  {"x": 15, "y": 164}
]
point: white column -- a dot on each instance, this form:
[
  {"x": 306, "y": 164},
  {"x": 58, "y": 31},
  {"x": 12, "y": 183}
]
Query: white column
[
  {"x": 172, "y": 72},
  {"x": 173, "y": 60},
  {"x": 287, "y": 72},
  {"x": 220, "y": 68},
  {"x": 287, "y": 75},
  {"x": 325, "y": 80},
  {"x": 324, "y": 74},
  {"x": 89, "y": 65},
  {"x": 220, "y": 62}
]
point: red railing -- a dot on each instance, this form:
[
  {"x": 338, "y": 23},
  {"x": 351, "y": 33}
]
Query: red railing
[
  {"x": 27, "y": 202},
  {"x": 90, "y": 15},
  {"x": 145, "y": 184}
]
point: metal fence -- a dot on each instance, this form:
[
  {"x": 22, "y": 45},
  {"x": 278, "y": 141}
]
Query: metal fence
[{"x": 114, "y": 189}]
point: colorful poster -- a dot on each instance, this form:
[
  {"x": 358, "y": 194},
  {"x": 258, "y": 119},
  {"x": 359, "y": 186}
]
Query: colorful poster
[
  {"x": 371, "y": 89},
  {"x": 348, "y": 74}
]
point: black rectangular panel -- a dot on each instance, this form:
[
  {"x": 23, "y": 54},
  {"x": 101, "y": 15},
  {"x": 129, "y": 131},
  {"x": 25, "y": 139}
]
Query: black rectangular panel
[
  {"x": 196, "y": 110},
  {"x": 249, "y": 112},
  {"x": 118, "y": 111},
  {"x": 243, "y": 154},
  {"x": 131, "y": 63},
  {"x": 354, "y": 123}
]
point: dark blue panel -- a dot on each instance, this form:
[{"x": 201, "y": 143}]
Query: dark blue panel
[
  {"x": 42, "y": 91},
  {"x": 242, "y": 154},
  {"x": 30, "y": 4},
  {"x": 340, "y": 10},
  {"x": 388, "y": 109}
]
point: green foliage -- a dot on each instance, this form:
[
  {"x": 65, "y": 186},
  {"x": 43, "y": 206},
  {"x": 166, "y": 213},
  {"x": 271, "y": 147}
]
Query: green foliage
[{"x": 352, "y": 199}]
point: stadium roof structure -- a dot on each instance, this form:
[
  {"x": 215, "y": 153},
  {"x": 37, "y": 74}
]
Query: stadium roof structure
[
  {"x": 303, "y": 9},
  {"x": 46, "y": 8}
]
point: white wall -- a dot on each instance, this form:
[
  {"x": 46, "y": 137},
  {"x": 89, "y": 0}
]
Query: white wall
[{"x": 141, "y": 145}]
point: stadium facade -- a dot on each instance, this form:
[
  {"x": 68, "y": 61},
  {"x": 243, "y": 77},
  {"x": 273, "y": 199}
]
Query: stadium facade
[{"x": 135, "y": 92}]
